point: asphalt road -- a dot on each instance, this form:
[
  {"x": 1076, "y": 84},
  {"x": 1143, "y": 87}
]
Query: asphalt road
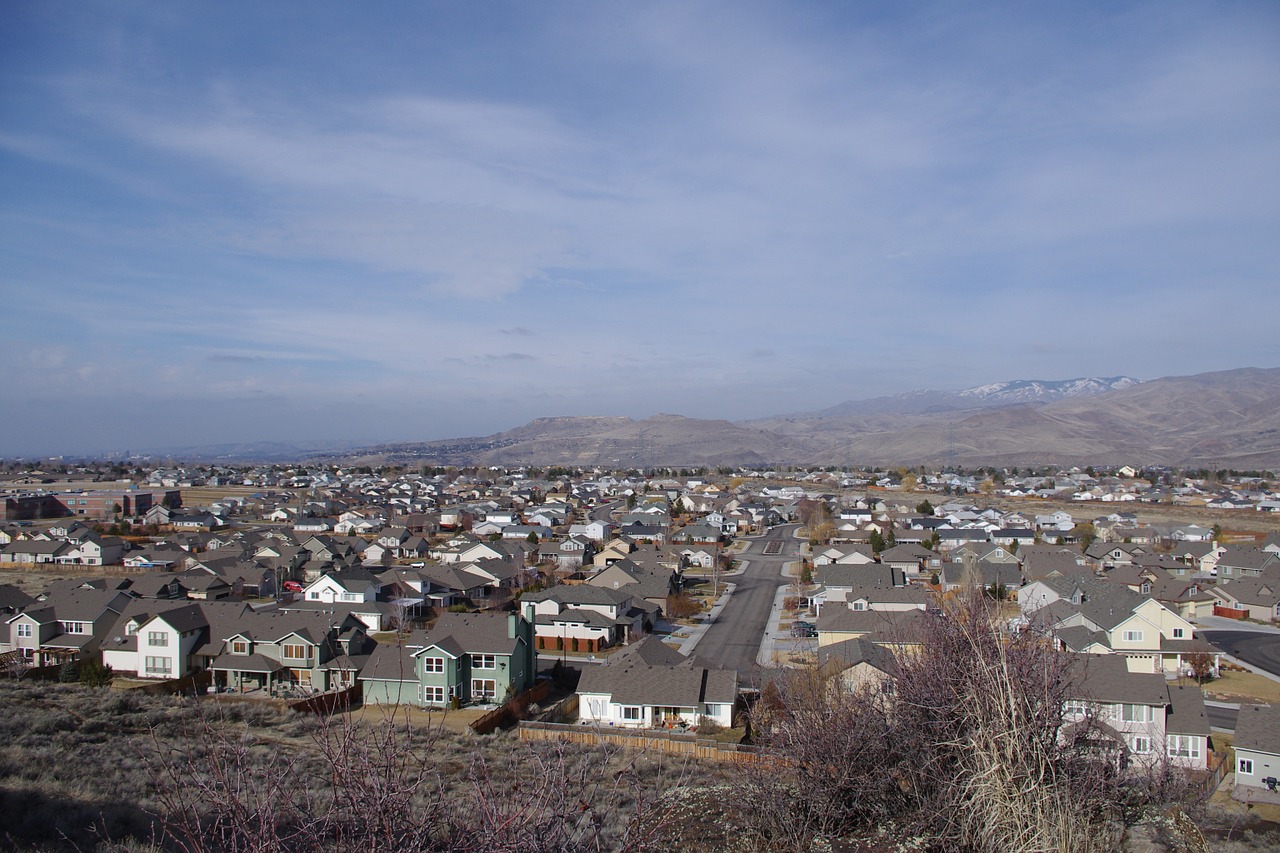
[
  {"x": 1253, "y": 647},
  {"x": 733, "y": 640}
]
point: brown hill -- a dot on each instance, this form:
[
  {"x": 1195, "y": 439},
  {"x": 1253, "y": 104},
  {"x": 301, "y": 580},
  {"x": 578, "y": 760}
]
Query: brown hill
[{"x": 1226, "y": 419}]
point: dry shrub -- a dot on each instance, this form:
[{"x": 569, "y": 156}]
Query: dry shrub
[{"x": 963, "y": 753}]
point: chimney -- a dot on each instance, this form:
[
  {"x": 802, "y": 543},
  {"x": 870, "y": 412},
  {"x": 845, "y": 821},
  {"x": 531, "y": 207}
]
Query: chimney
[{"x": 511, "y": 625}]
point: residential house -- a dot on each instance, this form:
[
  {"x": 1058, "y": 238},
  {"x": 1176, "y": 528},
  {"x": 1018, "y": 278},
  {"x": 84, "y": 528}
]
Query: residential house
[
  {"x": 307, "y": 651},
  {"x": 466, "y": 658},
  {"x": 348, "y": 586},
  {"x": 1251, "y": 597},
  {"x": 1094, "y": 615},
  {"x": 629, "y": 692},
  {"x": 1147, "y": 719},
  {"x": 69, "y": 624},
  {"x": 1257, "y": 748},
  {"x": 586, "y": 618}
]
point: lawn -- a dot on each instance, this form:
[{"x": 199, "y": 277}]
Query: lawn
[{"x": 1244, "y": 687}]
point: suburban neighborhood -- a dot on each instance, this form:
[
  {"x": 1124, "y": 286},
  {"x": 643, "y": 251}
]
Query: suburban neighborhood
[{"x": 577, "y": 603}]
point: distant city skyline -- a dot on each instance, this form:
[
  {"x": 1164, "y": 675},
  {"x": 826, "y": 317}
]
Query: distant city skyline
[{"x": 245, "y": 222}]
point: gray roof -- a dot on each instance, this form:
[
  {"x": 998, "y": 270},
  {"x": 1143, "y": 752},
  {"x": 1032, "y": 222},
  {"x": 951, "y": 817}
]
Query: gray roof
[
  {"x": 1187, "y": 715},
  {"x": 391, "y": 662},
  {"x": 579, "y": 594},
  {"x": 1258, "y": 728},
  {"x": 1106, "y": 678},
  {"x": 473, "y": 633},
  {"x": 630, "y": 683},
  {"x": 848, "y": 653}
]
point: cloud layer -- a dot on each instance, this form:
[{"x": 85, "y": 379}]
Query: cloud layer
[{"x": 440, "y": 220}]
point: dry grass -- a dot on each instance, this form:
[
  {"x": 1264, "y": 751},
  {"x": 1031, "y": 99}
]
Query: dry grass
[
  {"x": 1243, "y": 687},
  {"x": 80, "y": 765}
]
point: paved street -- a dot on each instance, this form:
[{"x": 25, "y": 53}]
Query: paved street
[
  {"x": 734, "y": 638},
  {"x": 1257, "y": 648}
]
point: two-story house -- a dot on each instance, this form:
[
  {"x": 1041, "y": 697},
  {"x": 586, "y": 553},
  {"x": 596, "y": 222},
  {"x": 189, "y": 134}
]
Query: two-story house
[{"x": 466, "y": 658}]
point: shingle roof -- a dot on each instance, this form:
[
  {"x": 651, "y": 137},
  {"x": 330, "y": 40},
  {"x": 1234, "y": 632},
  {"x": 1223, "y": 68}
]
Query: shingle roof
[{"x": 1258, "y": 728}]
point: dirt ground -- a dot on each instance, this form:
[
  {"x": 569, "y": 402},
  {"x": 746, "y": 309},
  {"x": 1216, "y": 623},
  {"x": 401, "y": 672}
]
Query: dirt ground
[
  {"x": 34, "y": 582},
  {"x": 454, "y": 721}
]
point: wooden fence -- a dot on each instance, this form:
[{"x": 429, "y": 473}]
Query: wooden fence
[
  {"x": 655, "y": 740},
  {"x": 1229, "y": 612},
  {"x": 328, "y": 703},
  {"x": 510, "y": 712}
]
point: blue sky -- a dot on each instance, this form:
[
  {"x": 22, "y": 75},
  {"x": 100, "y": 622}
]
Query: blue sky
[{"x": 397, "y": 221}]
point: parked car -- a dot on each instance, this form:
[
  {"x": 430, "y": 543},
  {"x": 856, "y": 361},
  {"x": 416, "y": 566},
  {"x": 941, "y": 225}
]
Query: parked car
[
  {"x": 291, "y": 586},
  {"x": 804, "y": 629}
]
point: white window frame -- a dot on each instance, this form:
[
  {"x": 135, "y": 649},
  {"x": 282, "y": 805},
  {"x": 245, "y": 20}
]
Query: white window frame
[
  {"x": 1245, "y": 766},
  {"x": 433, "y": 664},
  {"x": 158, "y": 665},
  {"x": 1178, "y": 633},
  {"x": 73, "y": 628},
  {"x": 285, "y": 655},
  {"x": 25, "y": 630},
  {"x": 434, "y": 694},
  {"x": 157, "y": 638},
  {"x": 1135, "y": 713},
  {"x": 484, "y": 662},
  {"x": 1182, "y": 746},
  {"x": 633, "y": 713},
  {"x": 1134, "y": 636},
  {"x": 1141, "y": 745},
  {"x": 484, "y": 688},
  {"x": 239, "y": 647}
]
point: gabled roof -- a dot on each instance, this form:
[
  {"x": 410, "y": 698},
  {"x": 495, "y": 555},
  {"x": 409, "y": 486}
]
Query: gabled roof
[{"x": 474, "y": 633}]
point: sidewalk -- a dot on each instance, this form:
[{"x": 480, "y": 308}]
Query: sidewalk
[{"x": 693, "y": 633}]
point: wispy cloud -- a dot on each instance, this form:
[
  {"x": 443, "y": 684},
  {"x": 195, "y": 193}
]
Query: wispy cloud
[{"x": 639, "y": 195}]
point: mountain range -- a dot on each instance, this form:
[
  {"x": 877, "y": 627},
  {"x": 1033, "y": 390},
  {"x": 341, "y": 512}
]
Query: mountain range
[{"x": 1211, "y": 420}]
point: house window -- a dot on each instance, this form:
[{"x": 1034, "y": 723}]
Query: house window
[
  {"x": 433, "y": 665},
  {"x": 131, "y": 629},
  {"x": 1135, "y": 713},
  {"x": 24, "y": 629},
  {"x": 313, "y": 596},
  {"x": 1183, "y": 746},
  {"x": 1141, "y": 744},
  {"x": 157, "y": 638},
  {"x": 295, "y": 651},
  {"x": 1245, "y": 766},
  {"x": 631, "y": 712},
  {"x": 1133, "y": 636},
  {"x": 158, "y": 666},
  {"x": 73, "y": 627},
  {"x": 483, "y": 662},
  {"x": 483, "y": 688},
  {"x": 239, "y": 647},
  {"x": 859, "y": 605},
  {"x": 432, "y": 695},
  {"x": 1178, "y": 633},
  {"x": 1074, "y": 708}
]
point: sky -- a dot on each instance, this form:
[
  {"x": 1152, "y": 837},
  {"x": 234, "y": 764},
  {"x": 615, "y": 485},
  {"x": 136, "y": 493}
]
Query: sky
[{"x": 302, "y": 222}]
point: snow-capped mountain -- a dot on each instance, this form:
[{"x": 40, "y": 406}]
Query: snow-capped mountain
[{"x": 1045, "y": 391}]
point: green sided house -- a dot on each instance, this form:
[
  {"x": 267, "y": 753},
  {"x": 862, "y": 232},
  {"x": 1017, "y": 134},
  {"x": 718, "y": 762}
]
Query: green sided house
[{"x": 467, "y": 658}]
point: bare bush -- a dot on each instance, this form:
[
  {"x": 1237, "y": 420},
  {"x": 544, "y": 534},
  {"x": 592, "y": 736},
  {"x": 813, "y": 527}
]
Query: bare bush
[
  {"x": 966, "y": 750},
  {"x": 383, "y": 787}
]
